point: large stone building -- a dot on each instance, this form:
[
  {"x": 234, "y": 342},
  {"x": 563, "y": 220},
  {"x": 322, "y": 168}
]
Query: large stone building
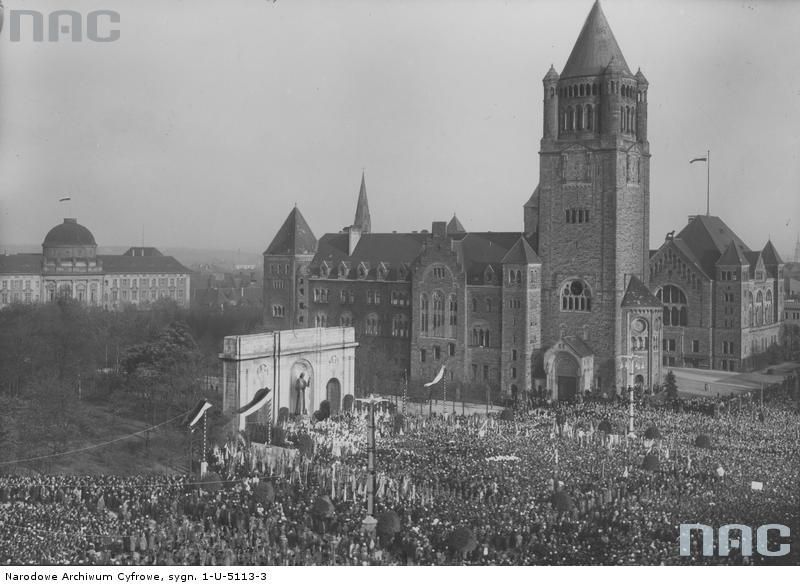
[
  {"x": 723, "y": 303},
  {"x": 69, "y": 266},
  {"x": 568, "y": 303}
]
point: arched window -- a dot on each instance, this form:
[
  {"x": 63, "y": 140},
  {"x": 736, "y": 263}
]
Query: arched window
[
  {"x": 676, "y": 312},
  {"x": 575, "y": 296},
  {"x": 759, "y": 309},
  {"x": 621, "y": 119},
  {"x": 750, "y": 322},
  {"x": 373, "y": 325},
  {"x": 519, "y": 277},
  {"x": 589, "y": 117},
  {"x": 488, "y": 305},
  {"x": 578, "y": 118},
  {"x": 768, "y": 308},
  {"x": 423, "y": 313},
  {"x": 346, "y": 319},
  {"x": 474, "y": 305},
  {"x": 400, "y": 326},
  {"x": 570, "y": 118},
  {"x": 438, "y": 314},
  {"x": 452, "y": 315}
]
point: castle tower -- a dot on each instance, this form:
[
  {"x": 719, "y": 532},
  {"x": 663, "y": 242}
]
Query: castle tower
[
  {"x": 592, "y": 209},
  {"x": 285, "y": 280}
]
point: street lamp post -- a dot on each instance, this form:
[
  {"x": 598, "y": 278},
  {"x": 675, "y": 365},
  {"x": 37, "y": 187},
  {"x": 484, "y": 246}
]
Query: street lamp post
[
  {"x": 628, "y": 362},
  {"x": 370, "y": 522}
]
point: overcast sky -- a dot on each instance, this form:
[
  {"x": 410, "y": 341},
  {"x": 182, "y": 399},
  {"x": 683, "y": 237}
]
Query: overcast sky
[{"x": 207, "y": 120}]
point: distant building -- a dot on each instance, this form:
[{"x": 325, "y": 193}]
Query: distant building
[
  {"x": 69, "y": 267},
  {"x": 791, "y": 311},
  {"x": 219, "y": 290},
  {"x": 723, "y": 302}
]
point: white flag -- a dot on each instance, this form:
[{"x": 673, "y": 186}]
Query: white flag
[{"x": 439, "y": 377}]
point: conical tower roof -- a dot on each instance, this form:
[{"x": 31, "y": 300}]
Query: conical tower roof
[
  {"x": 362, "y": 219},
  {"x": 521, "y": 254},
  {"x": 454, "y": 226},
  {"x": 595, "y": 48},
  {"x": 294, "y": 237}
]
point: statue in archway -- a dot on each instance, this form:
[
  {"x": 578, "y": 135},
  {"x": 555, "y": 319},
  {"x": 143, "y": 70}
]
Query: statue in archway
[{"x": 300, "y": 386}]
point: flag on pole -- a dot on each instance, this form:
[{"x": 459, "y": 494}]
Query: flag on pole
[
  {"x": 258, "y": 401},
  {"x": 699, "y": 159},
  {"x": 65, "y": 199},
  {"x": 197, "y": 413},
  {"x": 439, "y": 377}
]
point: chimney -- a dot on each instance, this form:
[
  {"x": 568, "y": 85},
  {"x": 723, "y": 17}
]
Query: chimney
[
  {"x": 353, "y": 236},
  {"x": 439, "y": 229}
]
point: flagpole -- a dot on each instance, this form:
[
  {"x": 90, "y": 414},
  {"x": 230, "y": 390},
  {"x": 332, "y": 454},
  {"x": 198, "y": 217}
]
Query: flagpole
[{"x": 708, "y": 182}]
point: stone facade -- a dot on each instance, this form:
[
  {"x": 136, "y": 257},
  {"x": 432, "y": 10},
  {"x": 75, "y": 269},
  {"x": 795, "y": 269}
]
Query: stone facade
[{"x": 276, "y": 360}]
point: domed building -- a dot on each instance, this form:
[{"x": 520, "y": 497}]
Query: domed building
[{"x": 69, "y": 267}]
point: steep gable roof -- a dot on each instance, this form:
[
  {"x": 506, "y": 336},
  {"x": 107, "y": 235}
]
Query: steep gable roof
[
  {"x": 595, "y": 48},
  {"x": 638, "y": 295},
  {"x": 392, "y": 249},
  {"x": 733, "y": 256},
  {"x": 706, "y": 238},
  {"x": 770, "y": 255},
  {"x": 293, "y": 237}
]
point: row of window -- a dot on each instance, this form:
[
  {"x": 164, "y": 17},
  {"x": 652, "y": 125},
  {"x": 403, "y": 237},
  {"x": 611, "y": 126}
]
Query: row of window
[
  {"x": 278, "y": 311},
  {"x": 373, "y": 325},
  {"x": 594, "y": 89},
  {"x": 16, "y": 284},
  {"x": 577, "y": 215},
  {"x": 373, "y": 297},
  {"x": 433, "y": 322},
  {"x": 436, "y": 352},
  {"x": 279, "y": 269}
]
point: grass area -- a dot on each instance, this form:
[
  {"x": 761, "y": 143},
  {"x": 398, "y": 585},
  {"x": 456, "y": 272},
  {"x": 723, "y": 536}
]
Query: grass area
[{"x": 98, "y": 445}]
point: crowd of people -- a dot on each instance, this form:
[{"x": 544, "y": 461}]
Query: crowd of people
[{"x": 561, "y": 484}]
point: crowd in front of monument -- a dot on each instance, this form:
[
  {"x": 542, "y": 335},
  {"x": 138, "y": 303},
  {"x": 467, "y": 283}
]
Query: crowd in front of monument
[{"x": 547, "y": 485}]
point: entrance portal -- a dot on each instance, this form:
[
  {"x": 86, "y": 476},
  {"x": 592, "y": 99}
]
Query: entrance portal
[
  {"x": 567, "y": 372},
  {"x": 333, "y": 391}
]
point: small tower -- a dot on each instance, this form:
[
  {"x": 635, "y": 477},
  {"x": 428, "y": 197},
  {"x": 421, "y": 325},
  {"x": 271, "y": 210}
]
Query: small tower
[
  {"x": 521, "y": 308},
  {"x": 285, "y": 281}
]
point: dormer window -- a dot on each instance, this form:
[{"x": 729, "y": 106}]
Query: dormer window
[
  {"x": 488, "y": 275},
  {"x": 325, "y": 269},
  {"x": 402, "y": 272},
  {"x": 383, "y": 270},
  {"x": 344, "y": 270},
  {"x": 362, "y": 271}
]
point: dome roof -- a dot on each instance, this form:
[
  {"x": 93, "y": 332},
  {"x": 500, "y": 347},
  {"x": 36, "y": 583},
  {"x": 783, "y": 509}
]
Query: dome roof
[{"x": 69, "y": 233}]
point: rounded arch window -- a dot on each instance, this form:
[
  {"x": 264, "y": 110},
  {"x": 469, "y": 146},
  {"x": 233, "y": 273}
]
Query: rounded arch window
[
  {"x": 576, "y": 296},
  {"x": 676, "y": 307}
]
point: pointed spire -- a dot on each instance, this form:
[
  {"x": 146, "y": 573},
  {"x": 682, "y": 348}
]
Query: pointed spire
[
  {"x": 362, "y": 219},
  {"x": 293, "y": 237},
  {"x": 595, "y": 48}
]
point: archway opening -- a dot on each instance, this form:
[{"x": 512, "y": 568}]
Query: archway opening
[
  {"x": 333, "y": 392},
  {"x": 567, "y": 374}
]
